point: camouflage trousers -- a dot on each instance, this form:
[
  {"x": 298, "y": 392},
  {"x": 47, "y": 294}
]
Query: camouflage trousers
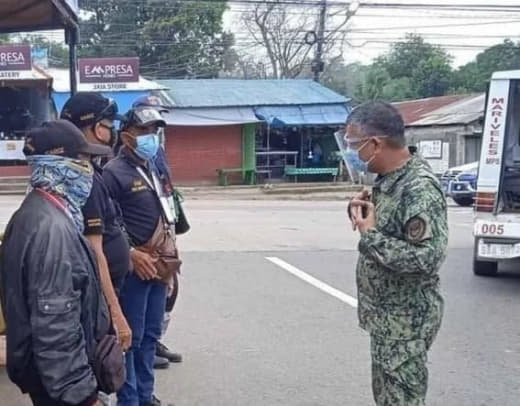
[{"x": 399, "y": 372}]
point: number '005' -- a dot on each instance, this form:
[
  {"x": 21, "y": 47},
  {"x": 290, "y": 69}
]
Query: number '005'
[{"x": 493, "y": 229}]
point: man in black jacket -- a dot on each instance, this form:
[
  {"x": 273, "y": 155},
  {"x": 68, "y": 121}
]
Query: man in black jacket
[{"x": 51, "y": 292}]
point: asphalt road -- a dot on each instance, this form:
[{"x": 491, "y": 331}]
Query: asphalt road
[{"x": 253, "y": 333}]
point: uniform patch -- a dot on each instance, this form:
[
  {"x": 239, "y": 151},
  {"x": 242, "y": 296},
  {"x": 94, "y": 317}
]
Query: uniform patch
[
  {"x": 138, "y": 186},
  {"x": 417, "y": 230},
  {"x": 97, "y": 222}
]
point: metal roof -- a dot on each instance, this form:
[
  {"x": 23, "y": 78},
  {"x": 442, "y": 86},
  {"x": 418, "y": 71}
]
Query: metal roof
[
  {"x": 413, "y": 110},
  {"x": 31, "y": 15},
  {"x": 210, "y": 116},
  {"x": 248, "y": 93},
  {"x": 464, "y": 111}
]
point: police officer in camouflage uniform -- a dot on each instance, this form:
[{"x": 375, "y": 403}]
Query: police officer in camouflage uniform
[{"x": 404, "y": 235}]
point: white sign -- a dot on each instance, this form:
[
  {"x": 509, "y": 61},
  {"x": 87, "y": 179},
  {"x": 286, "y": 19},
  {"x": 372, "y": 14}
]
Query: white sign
[
  {"x": 12, "y": 150},
  {"x": 441, "y": 165},
  {"x": 16, "y": 75},
  {"x": 493, "y": 136},
  {"x": 431, "y": 149},
  {"x": 101, "y": 87}
]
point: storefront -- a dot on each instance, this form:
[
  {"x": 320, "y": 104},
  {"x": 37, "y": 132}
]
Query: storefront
[{"x": 274, "y": 127}]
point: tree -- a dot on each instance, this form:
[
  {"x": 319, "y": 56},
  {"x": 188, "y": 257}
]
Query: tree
[
  {"x": 242, "y": 66},
  {"x": 377, "y": 84},
  {"x": 432, "y": 76},
  {"x": 342, "y": 78},
  {"x": 58, "y": 55},
  {"x": 173, "y": 38},
  {"x": 375, "y": 79},
  {"x": 285, "y": 35},
  {"x": 474, "y": 76},
  {"x": 188, "y": 41},
  {"x": 412, "y": 68}
]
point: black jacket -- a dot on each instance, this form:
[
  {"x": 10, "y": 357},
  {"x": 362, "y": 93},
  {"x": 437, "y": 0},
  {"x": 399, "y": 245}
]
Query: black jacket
[{"x": 53, "y": 304}]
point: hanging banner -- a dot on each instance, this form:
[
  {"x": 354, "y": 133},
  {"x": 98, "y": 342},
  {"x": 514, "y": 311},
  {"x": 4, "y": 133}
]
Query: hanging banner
[
  {"x": 15, "y": 62},
  {"x": 99, "y": 74}
]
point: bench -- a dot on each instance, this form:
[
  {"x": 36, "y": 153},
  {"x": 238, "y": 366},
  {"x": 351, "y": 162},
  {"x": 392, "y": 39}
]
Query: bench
[
  {"x": 266, "y": 172},
  {"x": 249, "y": 175},
  {"x": 293, "y": 171}
]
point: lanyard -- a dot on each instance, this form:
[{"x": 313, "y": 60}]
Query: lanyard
[{"x": 167, "y": 204}]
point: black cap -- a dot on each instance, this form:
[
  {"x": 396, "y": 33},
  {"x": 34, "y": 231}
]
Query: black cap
[
  {"x": 143, "y": 117},
  {"x": 61, "y": 137},
  {"x": 86, "y": 109}
]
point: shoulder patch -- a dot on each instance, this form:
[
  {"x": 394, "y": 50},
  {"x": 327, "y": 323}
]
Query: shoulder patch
[{"x": 417, "y": 229}]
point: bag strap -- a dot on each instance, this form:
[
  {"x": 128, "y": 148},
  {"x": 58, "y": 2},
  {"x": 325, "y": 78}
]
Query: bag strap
[{"x": 55, "y": 201}]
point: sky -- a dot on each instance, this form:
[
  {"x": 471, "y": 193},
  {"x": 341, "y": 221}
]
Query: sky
[{"x": 464, "y": 32}]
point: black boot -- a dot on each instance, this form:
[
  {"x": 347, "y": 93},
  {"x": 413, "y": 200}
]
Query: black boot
[
  {"x": 160, "y": 363},
  {"x": 155, "y": 402},
  {"x": 163, "y": 352}
]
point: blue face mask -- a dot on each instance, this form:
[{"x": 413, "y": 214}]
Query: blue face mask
[
  {"x": 147, "y": 146},
  {"x": 353, "y": 159}
]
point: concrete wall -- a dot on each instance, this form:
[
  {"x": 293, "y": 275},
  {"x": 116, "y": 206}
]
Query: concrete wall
[
  {"x": 455, "y": 135},
  {"x": 195, "y": 153},
  {"x": 8, "y": 171}
]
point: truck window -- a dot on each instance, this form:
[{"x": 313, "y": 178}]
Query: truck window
[{"x": 510, "y": 181}]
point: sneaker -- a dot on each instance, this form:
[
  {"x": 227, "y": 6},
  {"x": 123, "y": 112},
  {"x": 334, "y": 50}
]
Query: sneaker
[
  {"x": 155, "y": 402},
  {"x": 161, "y": 363},
  {"x": 164, "y": 352}
]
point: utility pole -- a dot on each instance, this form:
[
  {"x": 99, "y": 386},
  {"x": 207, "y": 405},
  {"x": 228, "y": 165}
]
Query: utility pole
[{"x": 317, "y": 64}]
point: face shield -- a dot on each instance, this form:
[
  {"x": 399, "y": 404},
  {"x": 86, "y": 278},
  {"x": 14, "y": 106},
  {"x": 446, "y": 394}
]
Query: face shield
[{"x": 357, "y": 168}]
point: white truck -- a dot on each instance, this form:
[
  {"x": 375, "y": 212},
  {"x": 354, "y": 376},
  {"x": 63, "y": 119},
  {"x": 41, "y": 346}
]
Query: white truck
[{"x": 497, "y": 202}]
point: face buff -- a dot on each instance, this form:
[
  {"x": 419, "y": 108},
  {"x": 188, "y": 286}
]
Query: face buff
[{"x": 71, "y": 179}]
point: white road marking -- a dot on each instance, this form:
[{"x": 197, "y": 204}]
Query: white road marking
[{"x": 351, "y": 301}]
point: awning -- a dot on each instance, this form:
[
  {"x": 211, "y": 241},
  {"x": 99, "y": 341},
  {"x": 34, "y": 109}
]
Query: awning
[
  {"x": 124, "y": 100},
  {"x": 318, "y": 114},
  {"x": 210, "y": 116},
  {"x": 31, "y": 15}
]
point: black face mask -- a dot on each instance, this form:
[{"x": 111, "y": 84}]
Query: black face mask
[{"x": 113, "y": 135}]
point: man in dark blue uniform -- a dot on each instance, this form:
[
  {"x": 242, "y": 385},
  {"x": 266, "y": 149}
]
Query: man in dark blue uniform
[
  {"x": 133, "y": 180},
  {"x": 163, "y": 355},
  {"x": 94, "y": 115}
]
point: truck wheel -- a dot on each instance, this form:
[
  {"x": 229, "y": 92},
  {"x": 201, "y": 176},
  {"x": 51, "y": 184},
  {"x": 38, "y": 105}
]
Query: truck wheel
[{"x": 464, "y": 201}]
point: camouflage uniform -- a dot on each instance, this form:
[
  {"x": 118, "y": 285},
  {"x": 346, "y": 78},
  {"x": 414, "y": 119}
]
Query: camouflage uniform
[{"x": 398, "y": 282}]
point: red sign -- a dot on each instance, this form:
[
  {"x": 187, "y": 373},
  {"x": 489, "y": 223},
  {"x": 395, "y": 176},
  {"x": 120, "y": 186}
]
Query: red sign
[
  {"x": 108, "y": 70},
  {"x": 15, "y": 58}
]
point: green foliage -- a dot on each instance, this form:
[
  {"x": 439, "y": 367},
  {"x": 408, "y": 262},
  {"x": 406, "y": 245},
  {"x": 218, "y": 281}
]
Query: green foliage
[
  {"x": 172, "y": 38},
  {"x": 474, "y": 76},
  {"x": 411, "y": 69}
]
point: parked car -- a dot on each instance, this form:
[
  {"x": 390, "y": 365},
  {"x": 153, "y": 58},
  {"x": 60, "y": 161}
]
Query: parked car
[{"x": 460, "y": 183}]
